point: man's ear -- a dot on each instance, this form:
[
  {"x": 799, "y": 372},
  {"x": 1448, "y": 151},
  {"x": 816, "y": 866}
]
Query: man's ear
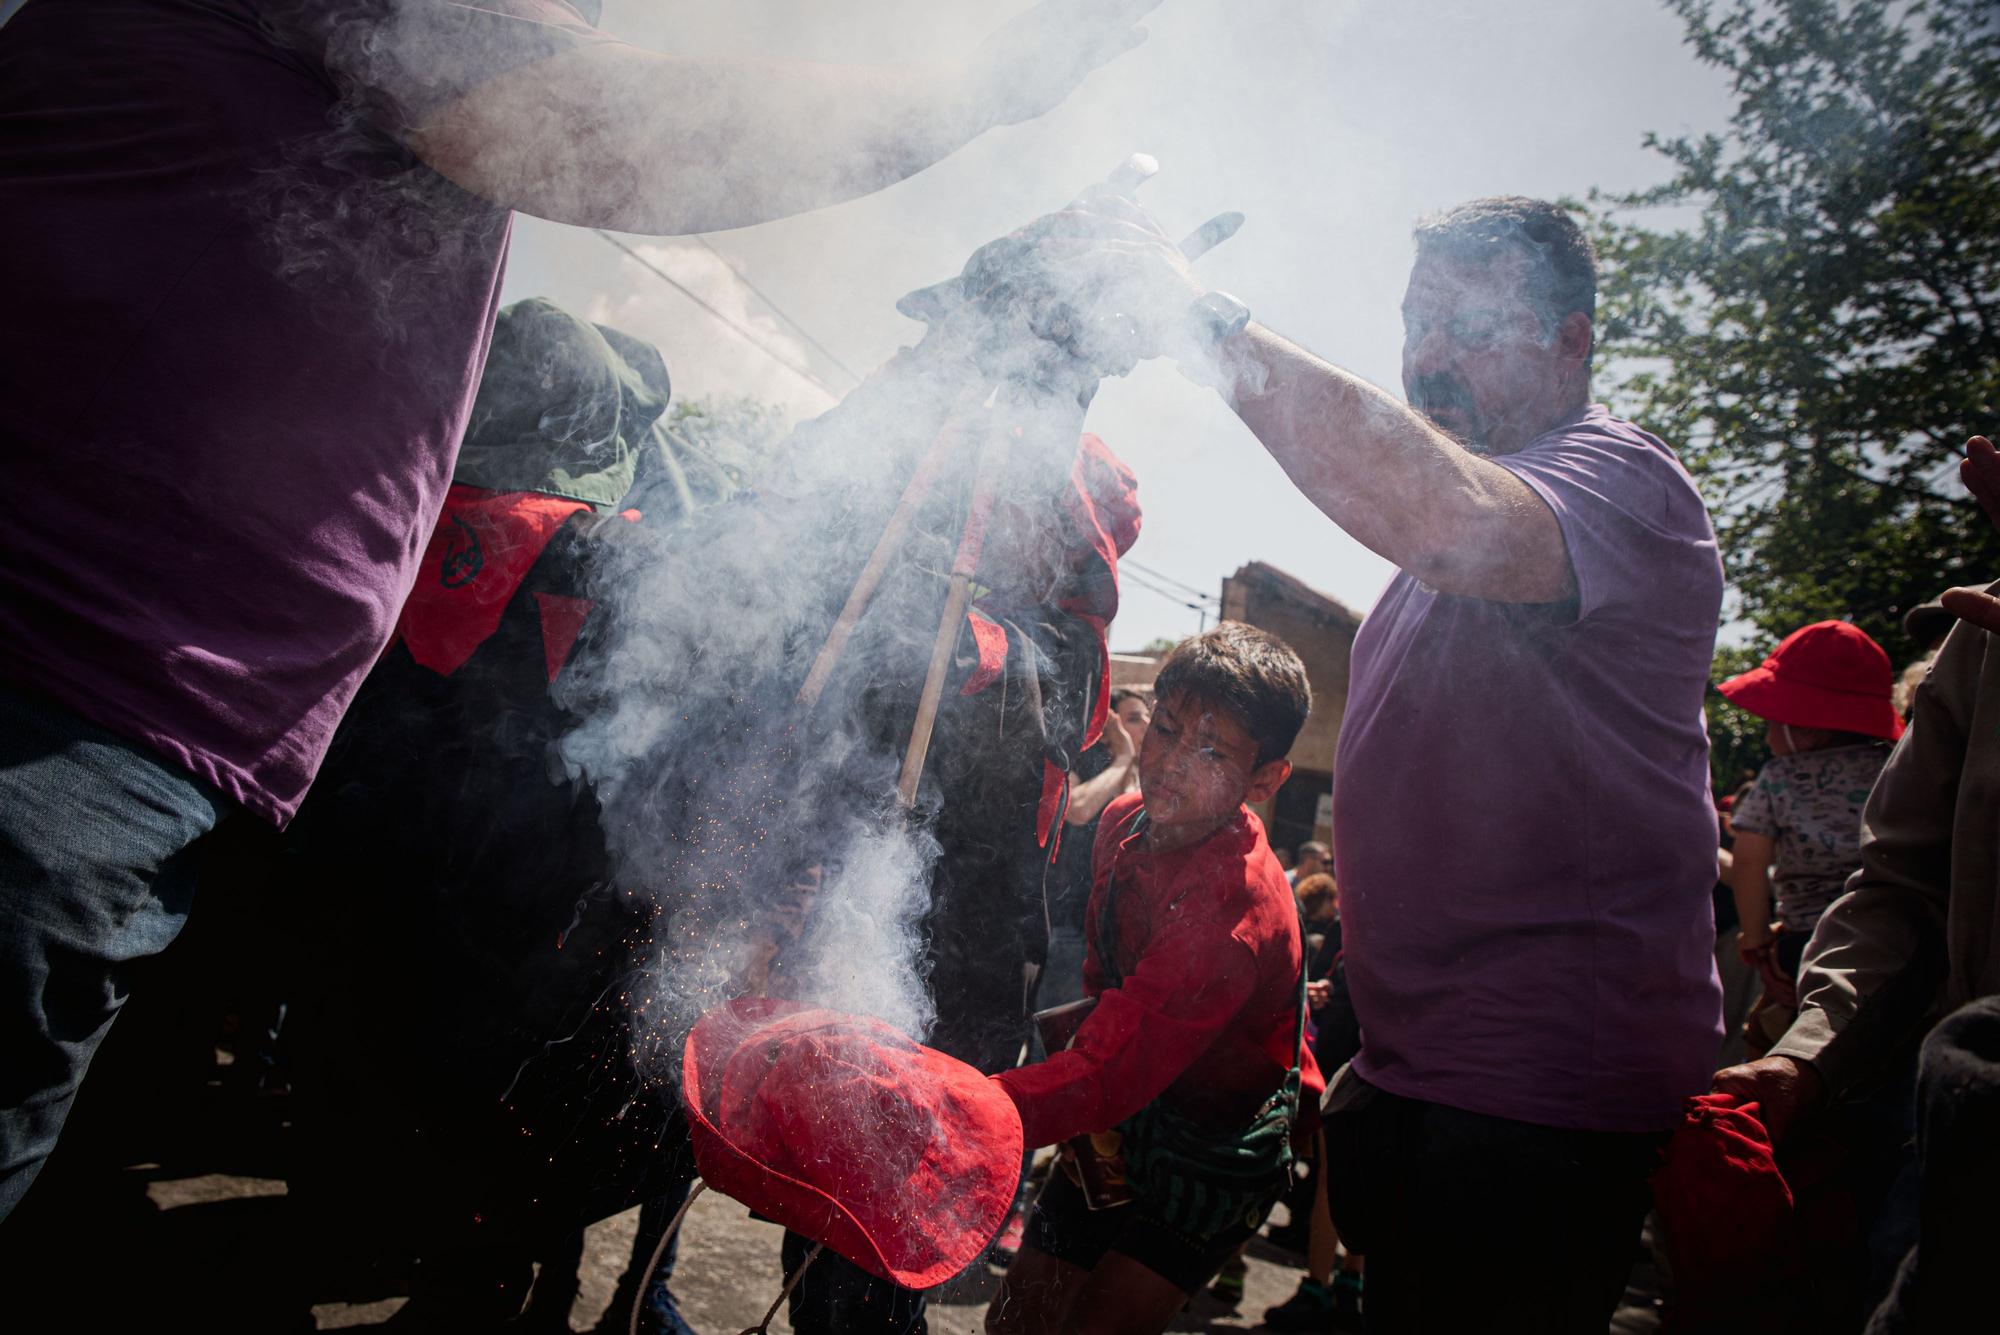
[
  {"x": 1266, "y": 780},
  {"x": 1575, "y": 337}
]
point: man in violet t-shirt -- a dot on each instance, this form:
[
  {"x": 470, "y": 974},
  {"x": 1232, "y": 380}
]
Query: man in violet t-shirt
[
  {"x": 1522, "y": 823},
  {"x": 252, "y": 251}
]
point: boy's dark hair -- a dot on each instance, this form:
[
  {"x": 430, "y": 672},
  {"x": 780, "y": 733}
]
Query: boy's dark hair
[
  {"x": 1249, "y": 672},
  {"x": 1120, "y": 694},
  {"x": 1562, "y": 262}
]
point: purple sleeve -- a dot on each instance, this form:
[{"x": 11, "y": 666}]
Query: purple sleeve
[{"x": 1633, "y": 523}]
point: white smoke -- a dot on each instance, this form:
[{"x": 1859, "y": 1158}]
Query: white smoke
[{"x": 706, "y": 357}]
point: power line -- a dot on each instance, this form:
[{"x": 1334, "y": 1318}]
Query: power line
[
  {"x": 779, "y": 311},
  {"x": 740, "y": 331},
  {"x": 1194, "y": 591},
  {"x": 1197, "y": 608},
  {"x": 1162, "y": 576},
  {"x": 1141, "y": 582}
]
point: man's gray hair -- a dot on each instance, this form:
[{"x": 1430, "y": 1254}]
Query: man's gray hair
[{"x": 1562, "y": 262}]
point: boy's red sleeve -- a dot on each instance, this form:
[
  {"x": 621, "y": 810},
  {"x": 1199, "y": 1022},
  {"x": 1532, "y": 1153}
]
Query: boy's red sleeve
[{"x": 1187, "y": 987}]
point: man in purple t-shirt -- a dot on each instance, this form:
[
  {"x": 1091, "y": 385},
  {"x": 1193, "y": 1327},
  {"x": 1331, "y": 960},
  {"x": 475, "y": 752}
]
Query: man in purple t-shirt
[
  {"x": 252, "y": 251},
  {"x": 1522, "y": 823}
]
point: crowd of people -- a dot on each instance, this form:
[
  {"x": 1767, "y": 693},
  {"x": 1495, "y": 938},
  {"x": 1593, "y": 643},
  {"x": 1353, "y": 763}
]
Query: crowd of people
[{"x": 309, "y": 529}]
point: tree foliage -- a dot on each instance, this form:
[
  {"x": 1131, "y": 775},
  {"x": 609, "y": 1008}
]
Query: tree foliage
[
  {"x": 1736, "y": 747},
  {"x": 1823, "y": 335}
]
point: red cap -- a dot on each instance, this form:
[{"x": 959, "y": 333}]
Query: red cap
[
  {"x": 1826, "y": 675},
  {"x": 902, "y": 1159}
]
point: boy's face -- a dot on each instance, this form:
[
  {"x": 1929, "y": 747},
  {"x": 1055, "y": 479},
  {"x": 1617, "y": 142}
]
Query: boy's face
[{"x": 1197, "y": 766}]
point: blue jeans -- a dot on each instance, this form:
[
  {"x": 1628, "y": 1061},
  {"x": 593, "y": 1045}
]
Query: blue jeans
[{"x": 96, "y": 873}]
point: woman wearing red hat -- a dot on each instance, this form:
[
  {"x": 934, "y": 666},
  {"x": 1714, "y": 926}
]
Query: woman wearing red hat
[{"x": 1825, "y": 693}]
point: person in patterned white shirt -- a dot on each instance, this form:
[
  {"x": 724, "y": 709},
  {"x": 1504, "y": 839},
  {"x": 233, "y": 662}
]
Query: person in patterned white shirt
[{"x": 1826, "y": 694}]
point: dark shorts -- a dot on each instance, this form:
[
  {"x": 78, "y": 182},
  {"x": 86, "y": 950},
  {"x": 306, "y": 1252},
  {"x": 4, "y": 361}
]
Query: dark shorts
[{"x": 1064, "y": 1227}]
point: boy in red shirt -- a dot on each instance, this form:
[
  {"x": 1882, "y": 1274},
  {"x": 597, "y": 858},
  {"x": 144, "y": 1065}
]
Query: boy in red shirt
[{"x": 1192, "y": 1055}]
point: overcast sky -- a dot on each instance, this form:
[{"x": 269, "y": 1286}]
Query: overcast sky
[{"x": 1332, "y": 124}]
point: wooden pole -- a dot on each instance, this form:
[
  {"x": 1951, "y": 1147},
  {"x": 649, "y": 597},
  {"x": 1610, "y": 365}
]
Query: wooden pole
[
  {"x": 958, "y": 594},
  {"x": 900, "y": 520}
]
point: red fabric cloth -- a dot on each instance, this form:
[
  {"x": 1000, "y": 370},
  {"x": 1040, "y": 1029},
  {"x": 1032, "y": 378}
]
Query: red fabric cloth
[
  {"x": 562, "y": 621},
  {"x": 483, "y": 546},
  {"x": 1726, "y": 1213},
  {"x": 1104, "y": 505},
  {"x": 900, "y": 1158},
  {"x": 989, "y": 637},
  {"x": 1207, "y": 1015}
]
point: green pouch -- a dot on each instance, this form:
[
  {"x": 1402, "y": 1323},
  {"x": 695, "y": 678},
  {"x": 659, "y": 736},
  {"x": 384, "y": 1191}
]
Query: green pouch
[{"x": 1201, "y": 1182}]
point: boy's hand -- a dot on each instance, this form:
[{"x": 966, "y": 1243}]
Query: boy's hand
[
  {"x": 1318, "y": 993},
  {"x": 1981, "y": 474},
  {"x": 1753, "y": 946}
]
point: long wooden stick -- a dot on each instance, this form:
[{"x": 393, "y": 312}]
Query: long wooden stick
[
  {"x": 927, "y": 707},
  {"x": 959, "y": 593},
  {"x": 900, "y": 520}
]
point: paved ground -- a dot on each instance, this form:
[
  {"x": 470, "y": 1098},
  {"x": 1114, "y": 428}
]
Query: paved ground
[
  {"x": 728, "y": 1276},
  {"x": 199, "y": 1235}
]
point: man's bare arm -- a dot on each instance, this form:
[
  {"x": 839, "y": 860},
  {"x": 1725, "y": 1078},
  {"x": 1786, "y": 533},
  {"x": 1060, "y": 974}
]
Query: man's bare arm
[
  {"x": 1461, "y": 524},
  {"x": 610, "y": 135}
]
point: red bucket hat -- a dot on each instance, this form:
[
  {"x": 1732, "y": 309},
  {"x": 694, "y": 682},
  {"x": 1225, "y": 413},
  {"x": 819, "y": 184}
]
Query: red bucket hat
[
  {"x": 902, "y": 1159},
  {"x": 1826, "y": 675}
]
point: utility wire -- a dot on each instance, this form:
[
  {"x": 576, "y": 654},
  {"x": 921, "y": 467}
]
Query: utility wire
[
  {"x": 779, "y": 311},
  {"x": 1198, "y": 609},
  {"x": 1139, "y": 582},
  {"x": 741, "y": 332},
  {"x": 1193, "y": 591},
  {"x": 1151, "y": 572}
]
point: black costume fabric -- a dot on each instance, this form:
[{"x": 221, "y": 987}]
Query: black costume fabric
[
  {"x": 1946, "y": 1278},
  {"x": 471, "y": 1041}
]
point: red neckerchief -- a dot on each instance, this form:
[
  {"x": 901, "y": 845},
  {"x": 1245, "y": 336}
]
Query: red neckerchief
[{"x": 483, "y": 546}]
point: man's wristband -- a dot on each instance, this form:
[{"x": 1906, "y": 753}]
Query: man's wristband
[{"x": 1214, "y": 316}]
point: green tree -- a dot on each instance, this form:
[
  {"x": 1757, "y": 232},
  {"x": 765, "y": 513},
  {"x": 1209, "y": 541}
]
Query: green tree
[
  {"x": 1736, "y": 749},
  {"x": 1822, "y": 332}
]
